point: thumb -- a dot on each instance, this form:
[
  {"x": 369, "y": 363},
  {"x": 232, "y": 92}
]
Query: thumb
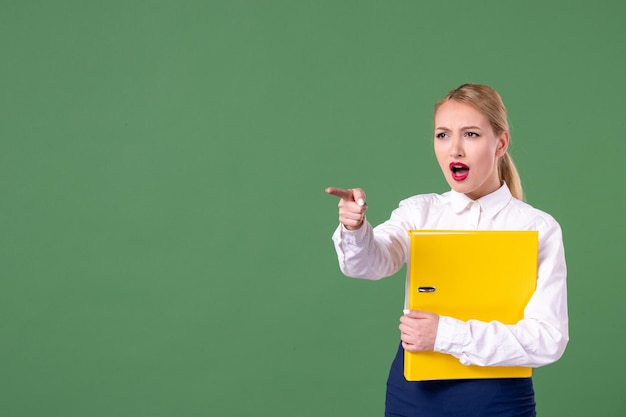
[
  {"x": 418, "y": 314},
  {"x": 359, "y": 196}
]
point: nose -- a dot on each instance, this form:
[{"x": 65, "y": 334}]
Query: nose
[{"x": 456, "y": 147}]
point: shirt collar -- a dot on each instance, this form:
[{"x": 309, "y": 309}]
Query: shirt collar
[
  {"x": 491, "y": 204},
  {"x": 459, "y": 201}
]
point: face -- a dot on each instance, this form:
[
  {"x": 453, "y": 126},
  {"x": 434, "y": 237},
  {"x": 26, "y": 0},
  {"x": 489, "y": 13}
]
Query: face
[{"x": 467, "y": 149}]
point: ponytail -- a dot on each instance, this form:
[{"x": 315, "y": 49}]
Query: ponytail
[{"x": 508, "y": 173}]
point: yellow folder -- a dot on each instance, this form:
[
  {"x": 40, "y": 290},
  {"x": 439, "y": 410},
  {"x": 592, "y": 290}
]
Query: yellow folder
[{"x": 469, "y": 274}]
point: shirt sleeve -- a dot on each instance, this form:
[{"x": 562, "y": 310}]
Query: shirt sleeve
[
  {"x": 538, "y": 339},
  {"x": 374, "y": 253}
]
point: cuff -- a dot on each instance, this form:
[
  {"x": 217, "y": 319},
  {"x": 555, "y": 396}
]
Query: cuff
[
  {"x": 351, "y": 237},
  {"x": 451, "y": 335}
]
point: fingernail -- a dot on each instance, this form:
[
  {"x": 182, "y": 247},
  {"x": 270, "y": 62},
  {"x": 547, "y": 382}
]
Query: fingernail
[{"x": 360, "y": 202}]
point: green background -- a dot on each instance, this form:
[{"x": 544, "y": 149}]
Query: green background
[{"x": 164, "y": 232}]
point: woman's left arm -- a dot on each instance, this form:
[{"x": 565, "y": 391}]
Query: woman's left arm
[{"x": 539, "y": 338}]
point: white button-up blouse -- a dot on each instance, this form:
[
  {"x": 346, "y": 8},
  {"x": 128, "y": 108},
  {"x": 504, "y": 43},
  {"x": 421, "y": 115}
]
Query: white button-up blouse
[{"x": 538, "y": 339}]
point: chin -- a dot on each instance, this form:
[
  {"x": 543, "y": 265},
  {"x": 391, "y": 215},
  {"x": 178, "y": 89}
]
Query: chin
[
  {"x": 463, "y": 190},
  {"x": 459, "y": 187}
]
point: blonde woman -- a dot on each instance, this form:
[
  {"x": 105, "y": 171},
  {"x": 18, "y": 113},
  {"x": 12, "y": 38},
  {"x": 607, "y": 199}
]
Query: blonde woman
[{"x": 471, "y": 138}]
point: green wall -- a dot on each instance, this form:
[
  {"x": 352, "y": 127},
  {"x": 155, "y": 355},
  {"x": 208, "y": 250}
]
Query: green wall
[{"x": 164, "y": 232}]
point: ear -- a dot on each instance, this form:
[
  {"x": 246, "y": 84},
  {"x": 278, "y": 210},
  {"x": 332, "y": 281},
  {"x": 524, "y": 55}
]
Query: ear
[{"x": 503, "y": 144}]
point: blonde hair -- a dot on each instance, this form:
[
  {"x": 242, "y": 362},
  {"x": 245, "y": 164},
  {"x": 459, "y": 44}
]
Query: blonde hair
[{"x": 487, "y": 101}]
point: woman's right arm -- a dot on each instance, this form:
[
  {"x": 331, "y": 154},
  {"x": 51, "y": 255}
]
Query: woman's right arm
[{"x": 363, "y": 251}]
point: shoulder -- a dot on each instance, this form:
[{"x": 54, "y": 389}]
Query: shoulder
[
  {"x": 426, "y": 200},
  {"x": 533, "y": 217},
  {"x": 419, "y": 210}
]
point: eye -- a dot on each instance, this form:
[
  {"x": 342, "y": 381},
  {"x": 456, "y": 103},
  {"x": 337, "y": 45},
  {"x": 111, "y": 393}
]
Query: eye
[
  {"x": 472, "y": 134},
  {"x": 441, "y": 135}
]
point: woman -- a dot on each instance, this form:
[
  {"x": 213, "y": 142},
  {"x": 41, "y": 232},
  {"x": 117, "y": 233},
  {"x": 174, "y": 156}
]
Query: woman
[{"x": 471, "y": 141}]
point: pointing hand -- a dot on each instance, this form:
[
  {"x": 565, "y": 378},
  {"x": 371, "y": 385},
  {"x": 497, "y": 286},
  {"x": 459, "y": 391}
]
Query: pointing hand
[{"x": 352, "y": 206}]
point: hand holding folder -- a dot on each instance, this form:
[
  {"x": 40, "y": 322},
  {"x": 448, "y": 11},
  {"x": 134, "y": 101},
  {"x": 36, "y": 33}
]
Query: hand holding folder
[
  {"x": 469, "y": 274},
  {"x": 419, "y": 330}
]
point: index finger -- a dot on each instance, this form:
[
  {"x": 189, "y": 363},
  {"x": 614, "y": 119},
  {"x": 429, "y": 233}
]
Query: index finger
[{"x": 340, "y": 192}]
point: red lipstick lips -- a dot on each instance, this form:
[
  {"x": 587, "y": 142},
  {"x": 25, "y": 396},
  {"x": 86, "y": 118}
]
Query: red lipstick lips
[{"x": 459, "y": 170}]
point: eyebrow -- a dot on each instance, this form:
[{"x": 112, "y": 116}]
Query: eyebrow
[{"x": 463, "y": 128}]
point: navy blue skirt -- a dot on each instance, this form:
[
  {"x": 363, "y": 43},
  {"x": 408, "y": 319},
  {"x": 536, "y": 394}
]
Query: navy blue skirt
[{"x": 501, "y": 397}]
